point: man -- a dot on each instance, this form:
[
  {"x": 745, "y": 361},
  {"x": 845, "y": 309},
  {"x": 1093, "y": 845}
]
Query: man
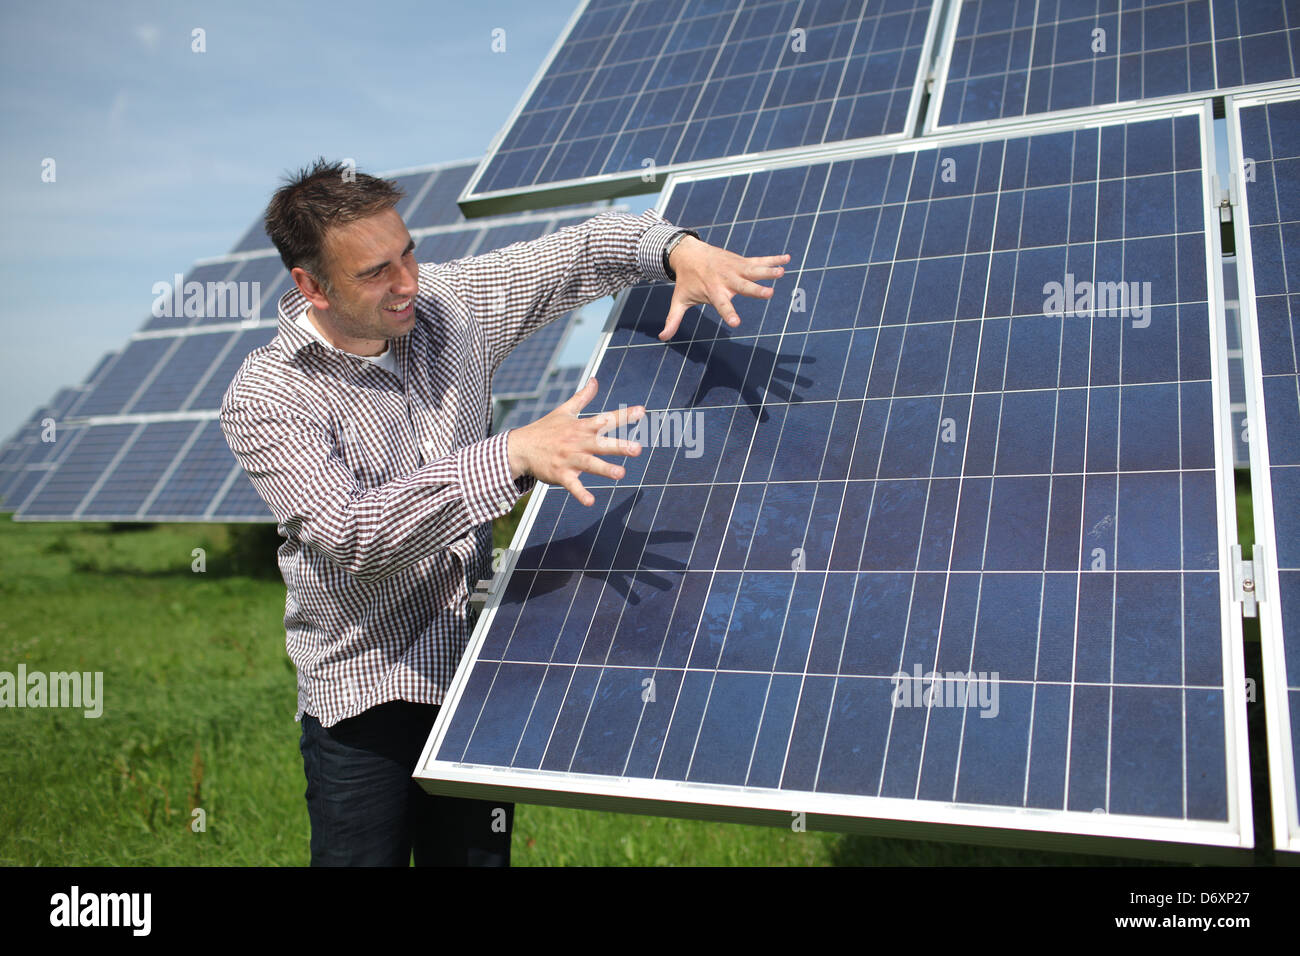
[{"x": 364, "y": 426}]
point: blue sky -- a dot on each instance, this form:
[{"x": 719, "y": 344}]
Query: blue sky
[{"x": 163, "y": 155}]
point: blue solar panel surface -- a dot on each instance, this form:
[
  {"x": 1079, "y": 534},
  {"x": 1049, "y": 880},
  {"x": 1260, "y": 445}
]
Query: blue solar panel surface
[
  {"x": 1270, "y": 136},
  {"x": 125, "y": 488},
  {"x": 1020, "y": 57},
  {"x": 680, "y": 81},
  {"x": 902, "y": 464},
  {"x": 199, "y": 476},
  {"x": 87, "y": 456},
  {"x": 122, "y": 379},
  {"x": 26, "y": 454}
]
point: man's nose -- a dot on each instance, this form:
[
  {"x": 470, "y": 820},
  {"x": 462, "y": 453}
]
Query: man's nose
[{"x": 406, "y": 283}]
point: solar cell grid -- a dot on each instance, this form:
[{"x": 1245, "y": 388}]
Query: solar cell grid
[
  {"x": 126, "y": 376},
  {"x": 188, "y": 492},
  {"x": 241, "y": 503},
  {"x": 446, "y": 246},
  {"x": 178, "y": 374},
  {"x": 907, "y": 461},
  {"x": 255, "y": 282},
  {"x": 82, "y": 462},
  {"x": 126, "y": 487},
  {"x": 1012, "y": 58},
  {"x": 24, "y": 445},
  {"x": 438, "y": 205}
]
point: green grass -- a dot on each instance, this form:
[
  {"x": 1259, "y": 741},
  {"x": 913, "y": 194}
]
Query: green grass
[{"x": 199, "y": 698}]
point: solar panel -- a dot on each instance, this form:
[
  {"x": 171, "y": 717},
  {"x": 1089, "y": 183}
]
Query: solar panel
[
  {"x": 678, "y": 83},
  {"x": 929, "y": 545},
  {"x": 1265, "y": 147},
  {"x": 241, "y": 502},
  {"x": 210, "y": 390},
  {"x": 1010, "y": 58}
]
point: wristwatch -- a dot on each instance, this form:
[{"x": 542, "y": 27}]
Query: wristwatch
[{"x": 675, "y": 238}]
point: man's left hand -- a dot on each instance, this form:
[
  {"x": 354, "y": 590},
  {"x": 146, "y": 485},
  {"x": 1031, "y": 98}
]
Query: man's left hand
[{"x": 708, "y": 275}]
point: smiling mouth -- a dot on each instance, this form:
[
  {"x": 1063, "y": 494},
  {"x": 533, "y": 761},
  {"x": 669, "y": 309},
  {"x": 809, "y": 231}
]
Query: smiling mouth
[{"x": 400, "y": 307}]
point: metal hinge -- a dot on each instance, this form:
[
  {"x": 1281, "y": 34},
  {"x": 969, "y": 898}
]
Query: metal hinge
[{"x": 1247, "y": 587}]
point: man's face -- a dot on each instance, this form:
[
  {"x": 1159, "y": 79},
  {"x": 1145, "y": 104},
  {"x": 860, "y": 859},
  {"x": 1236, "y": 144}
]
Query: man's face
[{"x": 372, "y": 268}]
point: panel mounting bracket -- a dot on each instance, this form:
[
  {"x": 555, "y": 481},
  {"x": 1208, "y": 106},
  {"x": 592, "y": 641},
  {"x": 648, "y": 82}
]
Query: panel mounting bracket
[
  {"x": 478, "y": 598},
  {"x": 1226, "y": 198},
  {"x": 484, "y": 587},
  {"x": 1247, "y": 587}
]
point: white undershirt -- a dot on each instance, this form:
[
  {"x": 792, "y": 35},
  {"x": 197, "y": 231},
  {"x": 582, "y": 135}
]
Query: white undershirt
[{"x": 385, "y": 359}]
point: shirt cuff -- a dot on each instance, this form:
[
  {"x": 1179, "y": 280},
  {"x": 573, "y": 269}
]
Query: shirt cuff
[
  {"x": 490, "y": 488},
  {"x": 650, "y": 248}
]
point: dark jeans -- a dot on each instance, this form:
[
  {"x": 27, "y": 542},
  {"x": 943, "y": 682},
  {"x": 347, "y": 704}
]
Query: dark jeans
[{"x": 366, "y": 810}]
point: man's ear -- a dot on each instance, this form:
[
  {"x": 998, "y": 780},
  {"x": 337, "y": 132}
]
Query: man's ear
[{"x": 310, "y": 288}]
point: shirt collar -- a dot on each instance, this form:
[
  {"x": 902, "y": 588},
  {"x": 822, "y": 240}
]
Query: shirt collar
[{"x": 294, "y": 338}]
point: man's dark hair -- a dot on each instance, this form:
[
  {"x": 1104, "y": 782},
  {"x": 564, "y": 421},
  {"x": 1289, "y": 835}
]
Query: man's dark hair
[{"x": 308, "y": 203}]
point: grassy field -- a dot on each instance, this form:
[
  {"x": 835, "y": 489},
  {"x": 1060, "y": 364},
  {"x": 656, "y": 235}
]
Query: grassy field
[{"x": 198, "y": 715}]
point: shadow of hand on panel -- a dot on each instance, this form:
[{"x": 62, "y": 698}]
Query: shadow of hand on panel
[
  {"x": 612, "y": 538},
  {"x": 746, "y": 368}
]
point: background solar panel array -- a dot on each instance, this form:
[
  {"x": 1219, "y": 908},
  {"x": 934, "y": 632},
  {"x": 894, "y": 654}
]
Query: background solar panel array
[
  {"x": 146, "y": 445},
  {"x": 1270, "y": 137},
  {"x": 826, "y": 536},
  {"x": 682, "y": 81},
  {"x": 31, "y": 450},
  {"x": 558, "y": 388},
  {"x": 1021, "y": 57}
]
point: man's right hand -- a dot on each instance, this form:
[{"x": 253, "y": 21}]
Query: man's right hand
[{"x": 558, "y": 448}]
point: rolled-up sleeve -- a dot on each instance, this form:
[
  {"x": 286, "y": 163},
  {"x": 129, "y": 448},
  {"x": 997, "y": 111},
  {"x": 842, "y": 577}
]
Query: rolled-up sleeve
[{"x": 514, "y": 290}]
